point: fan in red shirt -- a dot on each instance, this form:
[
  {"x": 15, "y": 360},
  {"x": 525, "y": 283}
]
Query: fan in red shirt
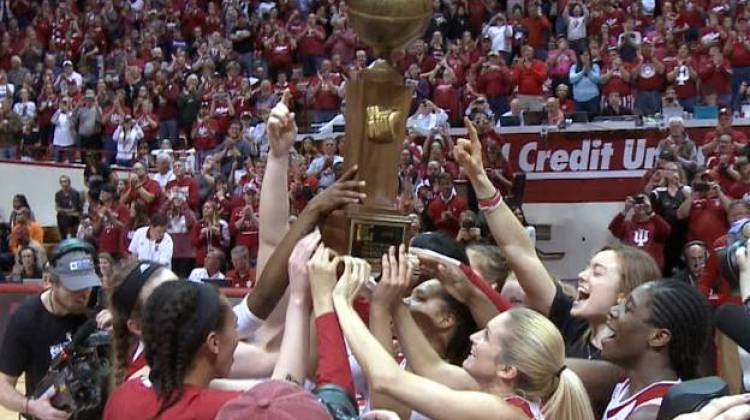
[
  {"x": 682, "y": 72},
  {"x": 616, "y": 78},
  {"x": 184, "y": 183},
  {"x": 311, "y": 45},
  {"x": 243, "y": 225},
  {"x": 737, "y": 47},
  {"x": 704, "y": 211},
  {"x": 495, "y": 83},
  {"x": 242, "y": 275},
  {"x": 720, "y": 163},
  {"x": 537, "y": 25},
  {"x": 280, "y": 52},
  {"x": 639, "y": 226},
  {"x": 445, "y": 209},
  {"x": 724, "y": 126},
  {"x": 324, "y": 92},
  {"x": 419, "y": 56},
  {"x": 189, "y": 336},
  {"x": 210, "y": 232},
  {"x": 529, "y": 74},
  {"x": 109, "y": 219},
  {"x": 716, "y": 74},
  {"x": 143, "y": 189}
]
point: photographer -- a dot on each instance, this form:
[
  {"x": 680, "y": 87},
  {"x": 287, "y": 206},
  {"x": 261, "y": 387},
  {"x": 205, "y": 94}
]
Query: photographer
[
  {"x": 639, "y": 226},
  {"x": 704, "y": 209},
  {"x": 41, "y": 326}
]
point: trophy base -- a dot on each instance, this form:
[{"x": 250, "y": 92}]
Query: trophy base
[{"x": 366, "y": 235}]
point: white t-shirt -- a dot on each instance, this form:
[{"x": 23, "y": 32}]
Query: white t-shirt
[
  {"x": 146, "y": 249},
  {"x": 500, "y": 36},
  {"x": 200, "y": 273},
  {"x": 163, "y": 179},
  {"x": 63, "y": 130}
]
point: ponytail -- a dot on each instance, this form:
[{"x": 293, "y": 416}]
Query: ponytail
[
  {"x": 569, "y": 400},
  {"x": 534, "y": 346}
]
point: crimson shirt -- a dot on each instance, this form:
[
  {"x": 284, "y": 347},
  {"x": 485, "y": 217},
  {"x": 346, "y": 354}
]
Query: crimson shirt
[
  {"x": 137, "y": 396},
  {"x": 456, "y": 205},
  {"x": 648, "y": 235},
  {"x": 707, "y": 220}
]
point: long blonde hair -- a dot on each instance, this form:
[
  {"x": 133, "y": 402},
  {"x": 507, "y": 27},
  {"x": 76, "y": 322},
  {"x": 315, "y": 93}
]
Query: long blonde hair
[{"x": 534, "y": 346}]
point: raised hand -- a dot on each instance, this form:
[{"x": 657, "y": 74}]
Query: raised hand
[
  {"x": 298, "y": 273},
  {"x": 281, "y": 127},
  {"x": 395, "y": 279},
  {"x": 356, "y": 273},
  {"x": 343, "y": 191},
  {"x": 468, "y": 152}
]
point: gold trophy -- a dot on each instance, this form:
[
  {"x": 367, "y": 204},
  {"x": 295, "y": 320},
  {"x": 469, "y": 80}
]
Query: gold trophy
[{"x": 377, "y": 105}]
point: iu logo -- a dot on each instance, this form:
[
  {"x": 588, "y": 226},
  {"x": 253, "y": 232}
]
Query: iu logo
[{"x": 640, "y": 237}]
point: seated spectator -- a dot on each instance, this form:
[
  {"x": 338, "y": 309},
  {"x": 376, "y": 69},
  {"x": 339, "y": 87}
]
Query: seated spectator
[
  {"x": 322, "y": 166},
  {"x": 212, "y": 267},
  {"x": 670, "y": 105},
  {"x": 211, "y": 232},
  {"x": 29, "y": 267},
  {"x": 639, "y": 226},
  {"x": 242, "y": 273},
  {"x": 614, "y": 107},
  {"x": 164, "y": 174},
  {"x": 24, "y": 240},
  {"x": 554, "y": 113},
  {"x": 562, "y": 93},
  {"x": 446, "y": 207},
  {"x": 23, "y": 220},
  {"x": 142, "y": 189},
  {"x": 152, "y": 242},
  {"x": 695, "y": 254}
]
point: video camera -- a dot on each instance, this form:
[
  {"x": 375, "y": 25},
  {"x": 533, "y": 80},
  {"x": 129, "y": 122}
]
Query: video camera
[{"x": 79, "y": 374}]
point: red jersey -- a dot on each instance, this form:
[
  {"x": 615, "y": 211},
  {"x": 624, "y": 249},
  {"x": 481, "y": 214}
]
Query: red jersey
[
  {"x": 739, "y": 190},
  {"x": 238, "y": 280},
  {"x": 137, "y": 396},
  {"x": 455, "y": 205},
  {"x": 707, "y": 220},
  {"x": 110, "y": 236},
  {"x": 245, "y": 235},
  {"x": 649, "y": 79},
  {"x": 530, "y": 81},
  {"x": 739, "y": 56},
  {"x": 187, "y": 185}
]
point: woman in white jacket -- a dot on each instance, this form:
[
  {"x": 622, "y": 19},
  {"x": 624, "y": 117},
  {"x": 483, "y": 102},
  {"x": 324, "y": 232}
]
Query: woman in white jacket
[{"x": 127, "y": 135}]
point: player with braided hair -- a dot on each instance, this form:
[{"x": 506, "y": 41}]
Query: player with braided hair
[
  {"x": 131, "y": 286},
  {"x": 658, "y": 336},
  {"x": 189, "y": 339}
]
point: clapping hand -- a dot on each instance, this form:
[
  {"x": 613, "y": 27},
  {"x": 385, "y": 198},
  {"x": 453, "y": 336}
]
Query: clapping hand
[{"x": 281, "y": 127}]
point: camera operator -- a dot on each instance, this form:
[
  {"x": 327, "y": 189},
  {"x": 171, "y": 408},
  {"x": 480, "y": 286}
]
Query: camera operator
[{"x": 42, "y": 325}]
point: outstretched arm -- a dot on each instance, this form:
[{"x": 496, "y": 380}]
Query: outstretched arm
[
  {"x": 274, "y": 202},
  {"x": 384, "y": 376},
  {"x": 508, "y": 232}
]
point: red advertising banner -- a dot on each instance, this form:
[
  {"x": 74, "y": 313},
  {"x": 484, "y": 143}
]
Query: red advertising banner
[{"x": 585, "y": 166}]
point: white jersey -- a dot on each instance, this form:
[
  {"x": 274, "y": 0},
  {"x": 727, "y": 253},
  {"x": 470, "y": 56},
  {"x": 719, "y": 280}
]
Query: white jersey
[{"x": 621, "y": 406}]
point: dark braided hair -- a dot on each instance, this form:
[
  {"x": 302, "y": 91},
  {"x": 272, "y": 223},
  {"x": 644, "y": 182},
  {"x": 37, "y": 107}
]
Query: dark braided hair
[
  {"x": 174, "y": 329},
  {"x": 678, "y": 307}
]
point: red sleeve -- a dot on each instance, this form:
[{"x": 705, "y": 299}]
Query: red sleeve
[
  {"x": 195, "y": 234},
  {"x": 710, "y": 277},
  {"x": 501, "y": 304},
  {"x": 662, "y": 228},
  {"x": 232, "y": 222},
  {"x": 333, "y": 360},
  {"x": 193, "y": 197},
  {"x": 617, "y": 225}
]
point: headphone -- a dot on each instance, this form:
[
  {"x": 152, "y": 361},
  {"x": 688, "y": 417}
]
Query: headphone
[
  {"x": 67, "y": 246},
  {"x": 687, "y": 246}
]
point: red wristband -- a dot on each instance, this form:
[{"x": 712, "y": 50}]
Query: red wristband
[{"x": 491, "y": 203}]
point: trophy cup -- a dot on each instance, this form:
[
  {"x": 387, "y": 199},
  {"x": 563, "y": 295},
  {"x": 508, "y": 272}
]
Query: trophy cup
[{"x": 377, "y": 105}]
